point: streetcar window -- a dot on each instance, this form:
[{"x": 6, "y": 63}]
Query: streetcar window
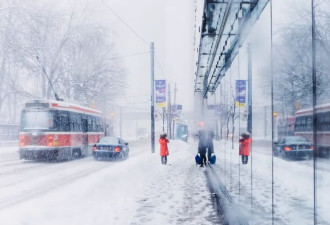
[
  {"x": 327, "y": 121},
  {"x": 94, "y": 127},
  {"x": 301, "y": 124},
  {"x": 323, "y": 121},
  {"x": 73, "y": 121},
  {"x": 89, "y": 122},
  {"x": 64, "y": 121},
  {"x": 309, "y": 123},
  {"x": 98, "y": 124},
  {"x": 79, "y": 122},
  {"x": 37, "y": 120}
]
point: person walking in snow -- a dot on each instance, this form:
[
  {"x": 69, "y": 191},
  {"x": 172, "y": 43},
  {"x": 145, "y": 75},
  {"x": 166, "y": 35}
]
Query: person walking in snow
[
  {"x": 245, "y": 146},
  {"x": 202, "y": 146},
  {"x": 163, "y": 147}
]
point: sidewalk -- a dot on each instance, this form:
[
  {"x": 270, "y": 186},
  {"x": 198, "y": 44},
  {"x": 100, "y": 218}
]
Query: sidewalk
[
  {"x": 178, "y": 194},
  {"x": 251, "y": 188}
]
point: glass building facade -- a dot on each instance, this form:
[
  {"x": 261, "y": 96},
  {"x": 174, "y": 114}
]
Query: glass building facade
[{"x": 284, "y": 65}]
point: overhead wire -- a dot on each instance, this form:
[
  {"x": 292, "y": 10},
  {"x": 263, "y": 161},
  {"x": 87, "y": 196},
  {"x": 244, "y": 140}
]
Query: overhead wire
[
  {"x": 138, "y": 35},
  {"x": 130, "y": 55},
  {"x": 125, "y": 23},
  {"x": 159, "y": 65}
]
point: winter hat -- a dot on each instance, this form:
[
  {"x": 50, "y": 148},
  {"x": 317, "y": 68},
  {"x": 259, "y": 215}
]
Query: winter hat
[{"x": 245, "y": 134}]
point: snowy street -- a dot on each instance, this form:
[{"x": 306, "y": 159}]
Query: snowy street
[{"x": 139, "y": 190}]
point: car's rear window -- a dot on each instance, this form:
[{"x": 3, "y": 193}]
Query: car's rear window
[
  {"x": 296, "y": 139},
  {"x": 109, "y": 141}
]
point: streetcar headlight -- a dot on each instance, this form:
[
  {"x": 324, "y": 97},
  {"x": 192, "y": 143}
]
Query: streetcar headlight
[{"x": 50, "y": 141}]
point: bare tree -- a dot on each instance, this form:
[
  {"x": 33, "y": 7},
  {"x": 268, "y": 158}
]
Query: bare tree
[{"x": 43, "y": 50}]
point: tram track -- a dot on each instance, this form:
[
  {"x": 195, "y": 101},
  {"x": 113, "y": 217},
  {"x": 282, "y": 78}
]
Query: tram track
[
  {"x": 22, "y": 180},
  {"x": 11, "y": 200}
]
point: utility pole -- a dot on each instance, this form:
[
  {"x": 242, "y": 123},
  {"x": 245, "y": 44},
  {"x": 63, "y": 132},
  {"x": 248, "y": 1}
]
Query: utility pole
[
  {"x": 315, "y": 124},
  {"x": 163, "y": 118},
  {"x": 173, "y": 129},
  {"x": 121, "y": 121},
  {"x": 152, "y": 99},
  {"x": 169, "y": 113},
  {"x": 249, "y": 121},
  {"x": 265, "y": 121}
]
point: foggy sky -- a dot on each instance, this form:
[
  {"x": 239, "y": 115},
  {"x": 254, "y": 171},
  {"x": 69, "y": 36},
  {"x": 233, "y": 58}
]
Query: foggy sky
[{"x": 169, "y": 24}]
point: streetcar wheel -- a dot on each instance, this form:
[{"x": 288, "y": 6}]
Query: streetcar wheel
[{"x": 76, "y": 153}]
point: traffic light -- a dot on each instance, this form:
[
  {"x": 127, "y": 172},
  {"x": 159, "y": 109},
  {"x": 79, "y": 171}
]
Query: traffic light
[{"x": 274, "y": 114}]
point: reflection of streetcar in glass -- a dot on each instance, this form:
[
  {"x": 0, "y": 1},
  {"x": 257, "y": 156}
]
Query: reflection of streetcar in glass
[
  {"x": 58, "y": 130},
  {"x": 285, "y": 126},
  {"x": 304, "y": 127}
]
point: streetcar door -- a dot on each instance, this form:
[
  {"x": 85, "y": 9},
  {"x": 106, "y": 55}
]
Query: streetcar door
[
  {"x": 84, "y": 126},
  {"x": 85, "y": 136}
]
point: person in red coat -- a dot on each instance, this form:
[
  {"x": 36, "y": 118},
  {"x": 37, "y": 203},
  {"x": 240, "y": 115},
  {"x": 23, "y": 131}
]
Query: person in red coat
[
  {"x": 163, "y": 147},
  {"x": 245, "y": 146}
]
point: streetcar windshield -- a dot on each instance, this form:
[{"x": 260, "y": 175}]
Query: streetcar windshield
[{"x": 37, "y": 120}]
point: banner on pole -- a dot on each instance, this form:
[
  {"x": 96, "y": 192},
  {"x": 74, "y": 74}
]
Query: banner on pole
[
  {"x": 160, "y": 86},
  {"x": 240, "y": 93}
]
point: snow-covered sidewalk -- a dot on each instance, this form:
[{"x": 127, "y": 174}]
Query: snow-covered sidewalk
[
  {"x": 139, "y": 190},
  {"x": 292, "y": 192},
  {"x": 177, "y": 193}
]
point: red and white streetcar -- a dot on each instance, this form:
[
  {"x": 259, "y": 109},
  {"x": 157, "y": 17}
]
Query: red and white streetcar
[
  {"x": 304, "y": 127},
  {"x": 58, "y": 130}
]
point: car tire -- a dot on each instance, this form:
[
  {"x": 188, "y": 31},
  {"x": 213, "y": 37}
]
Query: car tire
[
  {"x": 121, "y": 156},
  {"x": 275, "y": 152}
]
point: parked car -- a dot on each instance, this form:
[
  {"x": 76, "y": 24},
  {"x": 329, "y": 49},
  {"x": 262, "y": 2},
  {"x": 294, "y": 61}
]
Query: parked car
[
  {"x": 293, "y": 147},
  {"x": 111, "y": 147}
]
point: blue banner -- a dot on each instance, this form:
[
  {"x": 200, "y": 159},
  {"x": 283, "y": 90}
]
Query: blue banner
[
  {"x": 160, "y": 89},
  {"x": 240, "y": 93}
]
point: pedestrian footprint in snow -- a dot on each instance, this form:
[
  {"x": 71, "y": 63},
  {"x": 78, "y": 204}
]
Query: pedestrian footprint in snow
[
  {"x": 163, "y": 147},
  {"x": 245, "y": 146}
]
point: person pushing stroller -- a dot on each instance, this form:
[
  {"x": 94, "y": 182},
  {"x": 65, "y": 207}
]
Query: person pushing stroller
[{"x": 205, "y": 145}]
